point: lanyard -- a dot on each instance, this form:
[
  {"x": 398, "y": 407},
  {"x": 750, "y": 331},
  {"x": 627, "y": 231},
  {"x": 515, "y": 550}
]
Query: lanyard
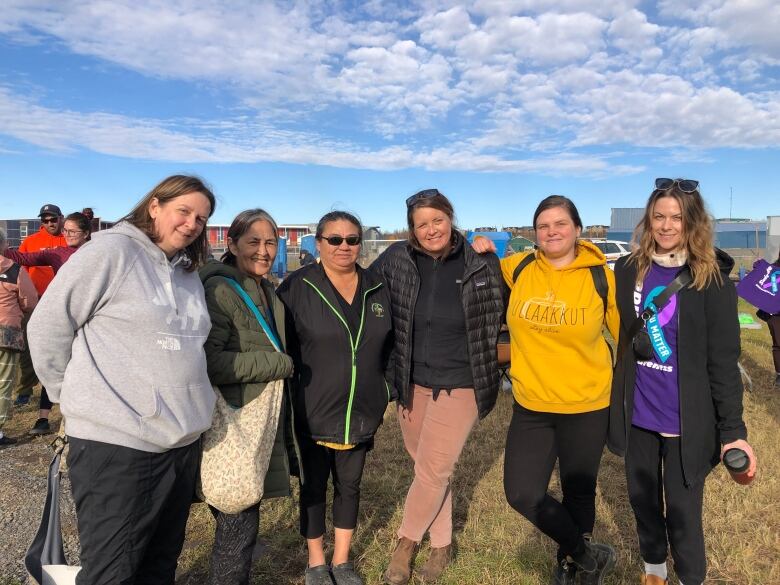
[{"x": 260, "y": 319}]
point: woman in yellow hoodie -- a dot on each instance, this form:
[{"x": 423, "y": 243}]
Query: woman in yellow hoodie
[{"x": 562, "y": 296}]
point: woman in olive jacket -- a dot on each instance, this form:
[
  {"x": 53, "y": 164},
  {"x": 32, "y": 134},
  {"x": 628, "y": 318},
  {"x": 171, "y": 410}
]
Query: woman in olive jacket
[{"x": 241, "y": 362}]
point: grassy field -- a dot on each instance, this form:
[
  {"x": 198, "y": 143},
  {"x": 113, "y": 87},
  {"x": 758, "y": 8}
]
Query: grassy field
[{"x": 494, "y": 544}]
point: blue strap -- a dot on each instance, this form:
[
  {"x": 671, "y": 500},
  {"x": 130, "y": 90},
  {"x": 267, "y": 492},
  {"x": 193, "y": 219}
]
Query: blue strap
[{"x": 260, "y": 319}]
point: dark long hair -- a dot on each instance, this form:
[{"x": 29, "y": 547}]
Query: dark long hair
[
  {"x": 336, "y": 216},
  {"x": 241, "y": 224},
  {"x": 166, "y": 191},
  {"x": 82, "y": 221}
]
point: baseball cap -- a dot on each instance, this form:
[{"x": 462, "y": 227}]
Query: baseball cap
[{"x": 50, "y": 209}]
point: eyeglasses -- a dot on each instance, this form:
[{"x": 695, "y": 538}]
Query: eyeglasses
[
  {"x": 686, "y": 185},
  {"x": 337, "y": 240},
  {"x": 72, "y": 232},
  {"x": 50, "y": 219},
  {"x": 425, "y": 194}
]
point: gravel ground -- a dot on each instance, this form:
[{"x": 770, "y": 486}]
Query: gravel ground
[{"x": 23, "y": 469}]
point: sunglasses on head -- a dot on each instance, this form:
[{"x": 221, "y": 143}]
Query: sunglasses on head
[
  {"x": 425, "y": 194},
  {"x": 337, "y": 240},
  {"x": 50, "y": 219},
  {"x": 686, "y": 185}
]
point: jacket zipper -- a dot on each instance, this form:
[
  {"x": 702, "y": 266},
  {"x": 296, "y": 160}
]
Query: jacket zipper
[
  {"x": 429, "y": 309},
  {"x": 353, "y": 347}
]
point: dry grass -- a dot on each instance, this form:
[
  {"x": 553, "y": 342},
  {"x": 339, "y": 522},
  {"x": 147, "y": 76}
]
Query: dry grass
[{"x": 496, "y": 546}]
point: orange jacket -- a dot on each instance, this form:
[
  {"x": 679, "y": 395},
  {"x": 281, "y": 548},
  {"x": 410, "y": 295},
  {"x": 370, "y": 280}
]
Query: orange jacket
[{"x": 42, "y": 240}]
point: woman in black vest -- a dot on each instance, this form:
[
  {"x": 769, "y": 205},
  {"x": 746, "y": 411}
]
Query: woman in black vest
[{"x": 448, "y": 307}]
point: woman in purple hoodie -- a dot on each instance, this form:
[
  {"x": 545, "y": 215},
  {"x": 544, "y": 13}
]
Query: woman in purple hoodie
[{"x": 77, "y": 230}]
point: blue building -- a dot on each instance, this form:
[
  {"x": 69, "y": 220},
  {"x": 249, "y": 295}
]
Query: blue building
[{"x": 729, "y": 233}]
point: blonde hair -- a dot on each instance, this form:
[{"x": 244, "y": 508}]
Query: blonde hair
[{"x": 697, "y": 238}]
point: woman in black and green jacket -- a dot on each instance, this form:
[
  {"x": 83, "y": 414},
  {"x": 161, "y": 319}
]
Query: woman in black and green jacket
[
  {"x": 340, "y": 337},
  {"x": 241, "y": 361}
]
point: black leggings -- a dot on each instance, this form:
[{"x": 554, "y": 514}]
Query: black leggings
[
  {"x": 346, "y": 467},
  {"x": 44, "y": 403},
  {"x": 655, "y": 476},
  {"x": 774, "y": 330},
  {"x": 534, "y": 442},
  {"x": 234, "y": 542}
]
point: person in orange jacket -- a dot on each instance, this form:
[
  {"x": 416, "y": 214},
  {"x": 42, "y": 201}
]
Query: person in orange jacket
[{"x": 49, "y": 236}]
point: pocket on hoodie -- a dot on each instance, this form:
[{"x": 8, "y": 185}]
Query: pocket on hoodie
[{"x": 181, "y": 414}]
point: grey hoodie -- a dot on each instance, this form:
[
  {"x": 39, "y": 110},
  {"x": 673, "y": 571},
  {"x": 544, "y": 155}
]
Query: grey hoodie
[{"x": 118, "y": 341}]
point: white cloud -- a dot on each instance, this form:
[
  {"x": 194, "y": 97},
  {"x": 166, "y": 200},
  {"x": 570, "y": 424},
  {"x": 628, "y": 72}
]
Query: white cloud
[
  {"x": 247, "y": 141},
  {"x": 512, "y": 83}
]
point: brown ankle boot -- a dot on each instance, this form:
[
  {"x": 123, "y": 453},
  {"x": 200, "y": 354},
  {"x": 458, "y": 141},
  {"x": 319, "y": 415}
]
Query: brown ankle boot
[
  {"x": 436, "y": 563},
  {"x": 653, "y": 580},
  {"x": 400, "y": 568}
]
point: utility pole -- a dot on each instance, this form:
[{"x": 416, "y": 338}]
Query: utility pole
[{"x": 731, "y": 200}]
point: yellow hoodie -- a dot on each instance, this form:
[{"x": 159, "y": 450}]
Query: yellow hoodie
[{"x": 561, "y": 362}]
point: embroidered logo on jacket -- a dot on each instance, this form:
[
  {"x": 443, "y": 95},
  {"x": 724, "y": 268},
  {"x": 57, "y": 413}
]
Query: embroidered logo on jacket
[{"x": 378, "y": 309}]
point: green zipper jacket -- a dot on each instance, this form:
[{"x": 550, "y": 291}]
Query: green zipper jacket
[{"x": 340, "y": 391}]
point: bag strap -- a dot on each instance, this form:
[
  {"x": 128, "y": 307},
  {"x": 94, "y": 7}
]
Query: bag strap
[
  {"x": 258, "y": 315},
  {"x": 596, "y": 272},
  {"x": 522, "y": 264},
  {"x": 600, "y": 281},
  {"x": 682, "y": 279},
  {"x": 46, "y": 547}
]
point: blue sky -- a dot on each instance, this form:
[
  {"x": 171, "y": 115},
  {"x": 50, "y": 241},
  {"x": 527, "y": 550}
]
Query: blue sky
[{"x": 303, "y": 107}]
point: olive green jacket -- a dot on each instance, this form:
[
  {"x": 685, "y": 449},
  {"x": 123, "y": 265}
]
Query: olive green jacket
[{"x": 241, "y": 360}]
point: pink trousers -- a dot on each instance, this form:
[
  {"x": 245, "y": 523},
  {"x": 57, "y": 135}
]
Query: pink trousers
[{"x": 434, "y": 435}]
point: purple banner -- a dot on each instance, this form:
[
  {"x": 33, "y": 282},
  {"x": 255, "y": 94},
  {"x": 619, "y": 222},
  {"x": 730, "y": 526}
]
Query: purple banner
[{"x": 761, "y": 287}]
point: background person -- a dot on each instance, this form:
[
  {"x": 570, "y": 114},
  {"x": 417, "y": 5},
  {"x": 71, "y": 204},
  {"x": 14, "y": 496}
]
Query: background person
[
  {"x": 675, "y": 414},
  {"x": 773, "y": 322},
  {"x": 340, "y": 336},
  {"x": 306, "y": 258},
  {"x": 47, "y": 237},
  {"x": 448, "y": 307},
  {"x": 118, "y": 342},
  {"x": 77, "y": 230},
  {"x": 241, "y": 361},
  {"x": 17, "y": 298},
  {"x": 561, "y": 373}
]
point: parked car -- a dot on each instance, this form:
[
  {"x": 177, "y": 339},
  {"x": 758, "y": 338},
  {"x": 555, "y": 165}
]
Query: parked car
[{"x": 612, "y": 249}]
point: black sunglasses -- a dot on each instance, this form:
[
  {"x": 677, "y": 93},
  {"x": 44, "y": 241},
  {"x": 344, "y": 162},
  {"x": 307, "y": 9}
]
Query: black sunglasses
[
  {"x": 337, "y": 240},
  {"x": 686, "y": 185},
  {"x": 425, "y": 194},
  {"x": 50, "y": 219}
]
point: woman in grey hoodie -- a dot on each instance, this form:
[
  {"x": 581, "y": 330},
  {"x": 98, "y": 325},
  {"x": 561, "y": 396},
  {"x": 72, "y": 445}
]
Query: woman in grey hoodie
[{"x": 118, "y": 342}]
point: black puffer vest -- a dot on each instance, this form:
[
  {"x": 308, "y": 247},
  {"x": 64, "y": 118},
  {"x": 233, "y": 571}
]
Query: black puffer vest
[{"x": 484, "y": 297}]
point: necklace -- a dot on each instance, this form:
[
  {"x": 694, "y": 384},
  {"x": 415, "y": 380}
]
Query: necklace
[{"x": 552, "y": 291}]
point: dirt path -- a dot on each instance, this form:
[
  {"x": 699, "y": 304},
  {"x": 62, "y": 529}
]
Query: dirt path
[{"x": 23, "y": 469}]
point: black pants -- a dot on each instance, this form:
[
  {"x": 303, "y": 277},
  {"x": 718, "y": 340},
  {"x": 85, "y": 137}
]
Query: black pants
[
  {"x": 234, "y": 541},
  {"x": 654, "y": 473},
  {"x": 534, "y": 442},
  {"x": 774, "y": 330},
  {"x": 132, "y": 509},
  {"x": 44, "y": 403},
  {"x": 346, "y": 467}
]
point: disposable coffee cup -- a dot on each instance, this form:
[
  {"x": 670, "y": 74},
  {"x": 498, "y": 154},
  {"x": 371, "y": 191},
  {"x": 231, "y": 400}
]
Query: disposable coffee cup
[{"x": 737, "y": 462}]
